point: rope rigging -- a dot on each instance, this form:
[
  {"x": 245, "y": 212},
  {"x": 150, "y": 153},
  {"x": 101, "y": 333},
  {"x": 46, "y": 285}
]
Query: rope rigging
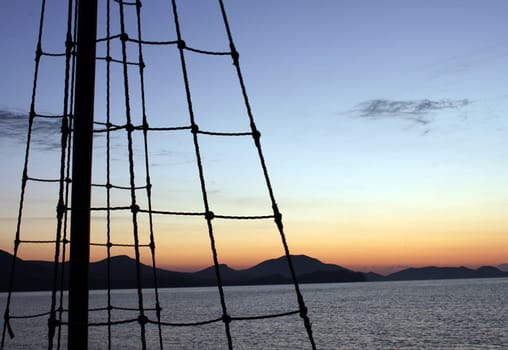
[{"x": 139, "y": 189}]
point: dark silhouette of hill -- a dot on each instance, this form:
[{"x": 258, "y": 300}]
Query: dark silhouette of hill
[
  {"x": 374, "y": 277},
  {"x": 34, "y": 275},
  {"x": 228, "y": 275},
  {"x": 432, "y": 272},
  {"x": 302, "y": 264},
  {"x": 307, "y": 269},
  {"x": 276, "y": 271},
  {"x": 123, "y": 275},
  {"x": 37, "y": 275},
  {"x": 503, "y": 267}
]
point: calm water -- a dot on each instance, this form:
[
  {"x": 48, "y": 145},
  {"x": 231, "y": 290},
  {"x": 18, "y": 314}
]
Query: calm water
[{"x": 452, "y": 314}]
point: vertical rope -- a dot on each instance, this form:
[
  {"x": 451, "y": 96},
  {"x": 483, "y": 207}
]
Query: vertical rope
[
  {"x": 38, "y": 54},
  {"x": 62, "y": 205},
  {"x": 208, "y": 214},
  {"x": 65, "y": 241},
  {"x": 108, "y": 165},
  {"x": 278, "y": 216},
  {"x": 142, "y": 319},
  {"x": 147, "y": 169}
]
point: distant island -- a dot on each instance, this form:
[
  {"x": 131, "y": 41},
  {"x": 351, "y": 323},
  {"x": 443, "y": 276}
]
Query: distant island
[{"x": 37, "y": 275}]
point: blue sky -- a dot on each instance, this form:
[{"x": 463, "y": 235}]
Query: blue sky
[{"x": 383, "y": 122}]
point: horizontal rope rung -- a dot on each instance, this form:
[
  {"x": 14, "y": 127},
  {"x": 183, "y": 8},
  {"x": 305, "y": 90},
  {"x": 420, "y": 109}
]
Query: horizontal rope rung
[
  {"x": 28, "y": 316},
  {"x": 218, "y": 133},
  {"x": 36, "y": 179},
  {"x": 119, "y": 245},
  {"x": 38, "y": 242}
]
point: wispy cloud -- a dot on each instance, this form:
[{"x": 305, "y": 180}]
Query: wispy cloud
[
  {"x": 418, "y": 111},
  {"x": 14, "y": 128}
]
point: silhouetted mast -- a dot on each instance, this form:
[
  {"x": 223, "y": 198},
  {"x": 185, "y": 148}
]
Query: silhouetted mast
[{"x": 82, "y": 175}]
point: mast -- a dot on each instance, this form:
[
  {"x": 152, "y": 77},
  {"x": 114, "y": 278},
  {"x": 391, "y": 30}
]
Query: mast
[{"x": 82, "y": 175}]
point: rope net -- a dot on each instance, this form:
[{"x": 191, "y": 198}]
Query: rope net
[{"x": 188, "y": 122}]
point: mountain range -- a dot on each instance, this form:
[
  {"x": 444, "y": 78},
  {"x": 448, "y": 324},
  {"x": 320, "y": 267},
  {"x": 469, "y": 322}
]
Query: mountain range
[{"x": 37, "y": 275}]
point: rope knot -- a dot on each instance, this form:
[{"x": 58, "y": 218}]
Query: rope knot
[
  {"x": 226, "y": 319},
  {"x": 194, "y": 128},
  {"x": 276, "y": 213},
  {"x": 38, "y": 52},
  {"x": 142, "y": 319},
  {"x": 24, "y": 177},
  {"x": 181, "y": 44},
  {"x": 209, "y": 215},
  {"x": 69, "y": 44},
  {"x": 124, "y": 37},
  {"x": 130, "y": 127},
  {"x": 60, "y": 209},
  {"x": 145, "y": 124},
  {"x": 303, "y": 311},
  {"x": 235, "y": 55},
  {"x": 134, "y": 208},
  {"x": 256, "y": 135},
  {"x": 277, "y": 217}
]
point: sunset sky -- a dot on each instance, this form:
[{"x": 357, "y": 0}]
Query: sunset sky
[{"x": 384, "y": 127}]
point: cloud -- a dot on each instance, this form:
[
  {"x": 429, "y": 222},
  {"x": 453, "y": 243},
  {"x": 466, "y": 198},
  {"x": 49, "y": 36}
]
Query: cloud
[
  {"x": 14, "y": 129},
  {"x": 13, "y": 126},
  {"x": 417, "y": 111}
]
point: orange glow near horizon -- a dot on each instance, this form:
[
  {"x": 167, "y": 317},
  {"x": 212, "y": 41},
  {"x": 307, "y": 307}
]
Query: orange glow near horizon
[
  {"x": 359, "y": 248},
  {"x": 364, "y": 239}
]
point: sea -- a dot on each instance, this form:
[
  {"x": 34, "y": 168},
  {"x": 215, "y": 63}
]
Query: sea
[{"x": 434, "y": 314}]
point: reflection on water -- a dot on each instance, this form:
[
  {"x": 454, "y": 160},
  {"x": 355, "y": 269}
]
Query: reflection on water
[{"x": 452, "y": 314}]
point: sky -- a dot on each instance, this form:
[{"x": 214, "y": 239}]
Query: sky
[{"x": 383, "y": 127}]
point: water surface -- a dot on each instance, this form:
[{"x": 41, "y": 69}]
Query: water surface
[{"x": 440, "y": 314}]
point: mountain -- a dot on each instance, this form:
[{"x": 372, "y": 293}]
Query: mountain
[
  {"x": 276, "y": 271},
  {"x": 228, "y": 276},
  {"x": 37, "y": 275},
  {"x": 307, "y": 269},
  {"x": 33, "y": 275},
  {"x": 123, "y": 275},
  {"x": 301, "y": 263},
  {"x": 433, "y": 272},
  {"x": 374, "y": 277}
]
